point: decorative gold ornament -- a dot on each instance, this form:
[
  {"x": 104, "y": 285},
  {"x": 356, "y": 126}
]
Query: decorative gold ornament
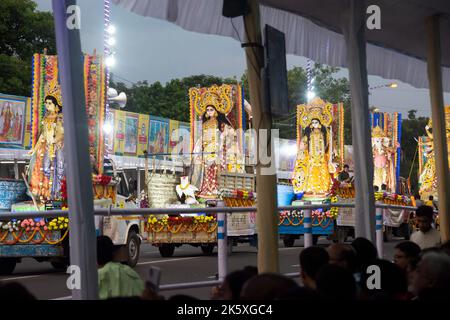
[
  {"x": 53, "y": 89},
  {"x": 217, "y": 96},
  {"x": 316, "y": 109},
  {"x": 377, "y": 132}
]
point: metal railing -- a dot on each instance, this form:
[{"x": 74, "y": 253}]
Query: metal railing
[{"x": 222, "y": 232}]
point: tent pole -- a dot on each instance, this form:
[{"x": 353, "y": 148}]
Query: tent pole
[
  {"x": 353, "y": 24},
  {"x": 438, "y": 118},
  {"x": 83, "y": 244},
  {"x": 266, "y": 217}
]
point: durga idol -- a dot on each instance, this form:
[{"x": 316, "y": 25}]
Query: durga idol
[
  {"x": 46, "y": 170},
  {"x": 314, "y": 167}
]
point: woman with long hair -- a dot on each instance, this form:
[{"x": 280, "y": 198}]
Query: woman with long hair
[{"x": 46, "y": 170}]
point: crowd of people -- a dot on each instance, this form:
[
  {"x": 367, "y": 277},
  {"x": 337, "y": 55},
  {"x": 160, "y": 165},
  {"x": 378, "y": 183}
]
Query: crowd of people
[{"x": 420, "y": 270}]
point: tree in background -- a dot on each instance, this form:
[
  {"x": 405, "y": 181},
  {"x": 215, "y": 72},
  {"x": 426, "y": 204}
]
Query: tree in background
[
  {"x": 23, "y": 32},
  {"x": 412, "y": 128}
]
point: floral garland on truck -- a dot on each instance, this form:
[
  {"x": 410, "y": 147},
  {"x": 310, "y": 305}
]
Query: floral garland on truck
[{"x": 176, "y": 224}]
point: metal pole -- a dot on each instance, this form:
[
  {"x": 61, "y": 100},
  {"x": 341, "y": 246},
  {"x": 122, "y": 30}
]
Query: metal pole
[
  {"x": 221, "y": 243},
  {"x": 83, "y": 250},
  {"x": 379, "y": 231},
  {"x": 353, "y": 26},
  {"x": 266, "y": 184},
  {"x": 438, "y": 117},
  {"x": 16, "y": 170},
  {"x": 307, "y": 224},
  {"x": 138, "y": 191}
]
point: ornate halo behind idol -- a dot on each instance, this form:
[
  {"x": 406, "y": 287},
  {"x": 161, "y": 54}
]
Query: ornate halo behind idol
[
  {"x": 316, "y": 109},
  {"x": 217, "y": 96}
]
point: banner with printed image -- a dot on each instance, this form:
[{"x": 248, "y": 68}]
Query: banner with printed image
[
  {"x": 131, "y": 133},
  {"x": 13, "y": 115},
  {"x": 119, "y": 132},
  {"x": 144, "y": 121},
  {"x": 158, "y": 136}
]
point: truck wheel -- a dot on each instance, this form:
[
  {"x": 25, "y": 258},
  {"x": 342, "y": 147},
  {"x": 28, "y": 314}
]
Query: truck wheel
[
  {"x": 387, "y": 234},
  {"x": 166, "y": 250},
  {"x": 288, "y": 242},
  {"x": 7, "y": 265},
  {"x": 207, "y": 249},
  {"x": 315, "y": 239},
  {"x": 230, "y": 244},
  {"x": 132, "y": 248},
  {"x": 60, "y": 264}
]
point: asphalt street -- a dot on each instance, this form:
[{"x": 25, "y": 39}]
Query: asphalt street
[{"x": 188, "y": 264}]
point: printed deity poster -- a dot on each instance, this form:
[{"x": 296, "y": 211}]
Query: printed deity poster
[
  {"x": 144, "y": 121},
  {"x": 119, "y": 132},
  {"x": 12, "y": 120},
  {"x": 131, "y": 136},
  {"x": 158, "y": 136}
]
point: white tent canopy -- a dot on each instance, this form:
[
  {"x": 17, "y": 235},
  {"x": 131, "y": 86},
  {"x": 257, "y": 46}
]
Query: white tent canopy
[{"x": 397, "y": 51}]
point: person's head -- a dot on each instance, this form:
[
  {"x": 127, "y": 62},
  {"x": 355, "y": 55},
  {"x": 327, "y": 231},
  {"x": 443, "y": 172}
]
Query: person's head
[
  {"x": 211, "y": 113},
  {"x": 346, "y": 167},
  {"x": 383, "y": 187},
  {"x": 52, "y": 105},
  {"x": 424, "y": 218},
  {"x": 311, "y": 260},
  {"x": 431, "y": 198},
  {"x": 315, "y": 124},
  {"x": 432, "y": 273},
  {"x": 376, "y": 189},
  {"x": 105, "y": 250},
  {"x": 234, "y": 281},
  {"x": 384, "y": 280},
  {"x": 267, "y": 286},
  {"x": 365, "y": 250},
  {"x": 342, "y": 255},
  {"x": 404, "y": 252},
  {"x": 335, "y": 283}
]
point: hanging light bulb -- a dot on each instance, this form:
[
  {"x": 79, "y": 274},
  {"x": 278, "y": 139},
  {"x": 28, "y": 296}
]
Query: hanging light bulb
[
  {"x": 111, "y": 41},
  {"x": 110, "y": 61},
  {"x": 111, "y": 29}
]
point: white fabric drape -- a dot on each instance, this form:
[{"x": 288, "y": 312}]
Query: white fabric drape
[{"x": 303, "y": 37}]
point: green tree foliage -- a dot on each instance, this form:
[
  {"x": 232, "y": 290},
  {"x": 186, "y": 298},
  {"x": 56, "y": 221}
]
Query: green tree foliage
[
  {"x": 412, "y": 128},
  {"x": 23, "y": 32},
  {"x": 169, "y": 100}
]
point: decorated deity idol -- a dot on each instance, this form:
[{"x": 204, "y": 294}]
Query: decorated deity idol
[
  {"x": 46, "y": 169},
  {"x": 314, "y": 167},
  {"x": 383, "y": 156},
  {"x": 427, "y": 178},
  {"x": 215, "y": 148}
]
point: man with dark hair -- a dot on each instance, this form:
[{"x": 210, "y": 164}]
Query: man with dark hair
[
  {"x": 342, "y": 255},
  {"x": 405, "y": 252},
  {"x": 335, "y": 283},
  {"x": 344, "y": 175},
  {"x": 384, "y": 187},
  {"x": 311, "y": 260},
  {"x": 115, "y": 279},
  {"x": 426, "y": 236}
]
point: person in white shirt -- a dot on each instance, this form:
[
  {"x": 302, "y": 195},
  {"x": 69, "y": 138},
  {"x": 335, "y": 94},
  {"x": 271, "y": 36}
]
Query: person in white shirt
[{"x": 426, "y": 236}]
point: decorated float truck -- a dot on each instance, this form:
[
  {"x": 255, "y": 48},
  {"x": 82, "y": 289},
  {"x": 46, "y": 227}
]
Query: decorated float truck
[
  {"x": 216, "y": 177},
  {"x": 46, "y": 239},
  {"x": 386, "y": 137},
  {"x": 320, "y": 143}
]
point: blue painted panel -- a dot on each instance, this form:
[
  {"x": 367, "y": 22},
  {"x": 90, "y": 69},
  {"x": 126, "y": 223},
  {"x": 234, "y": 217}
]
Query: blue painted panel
[
  {"x": 36, "y": 250},
  {"x": 300, "y": 229}
]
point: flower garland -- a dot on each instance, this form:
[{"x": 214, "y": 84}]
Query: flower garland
[
  {"x": 237, "y": 194},
  {"x": 29, "y": 230},
  {"x": 176, "y": 224}
]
